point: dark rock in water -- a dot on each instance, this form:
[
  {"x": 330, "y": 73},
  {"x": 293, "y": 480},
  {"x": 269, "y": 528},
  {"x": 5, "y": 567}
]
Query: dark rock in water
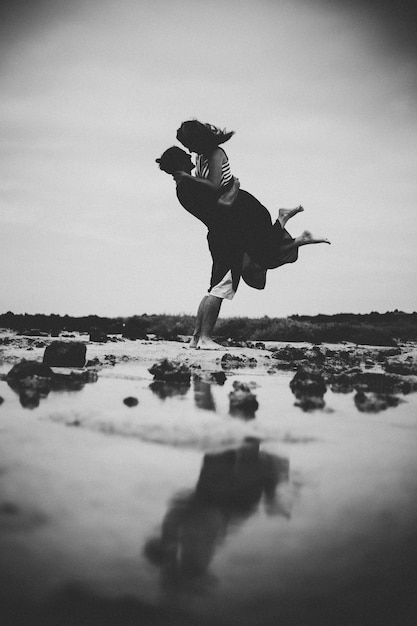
[
  {"x": 33, "y": 380},
  {"x": 345, "y": 381},
  {"x": 29, "y": 385},
  {"x": 316, "y": 354},
  {"x": 98, "y": 335},
  {"x": 30, "y": 398},
  {"x": 73, "y": 381},
  {"x": 131, "y": 401},
  {"x": 1, "y": 400},
  {"x": 406, "y": 368},
  {"x": 166, "y": 390},
  {"x": 229, "y": 360},
  {"x": 93, "y": 362},
  {"x": 41, "y": 384},
  {"x": 65, "y": 354},
  {"x": 171, "y": 371},
  {"x": 27, "y": 368},
  {"x": 110, "y": 359},
  {"x": 233, "y": 360},
  {"x": 289, "y": 353},
  {"x": 216, "y": 376},
  {"x": 308, "y": 381},
  {"x": 242, "y": 400},
  {"x": 310, "y": 403},
  {"x": 377, "y": 382},
  {"x": 309, "y": 387},
  {"x": 374, "y": 402}
]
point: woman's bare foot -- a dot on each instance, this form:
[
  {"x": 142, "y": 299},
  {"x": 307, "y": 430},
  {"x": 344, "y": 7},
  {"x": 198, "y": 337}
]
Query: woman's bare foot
[
  {"x": 286, "y": 214},
  {"x": 194, "y": 342},
  {"x": 208, "y": 344},
  {"x": 306, "y": 238}
]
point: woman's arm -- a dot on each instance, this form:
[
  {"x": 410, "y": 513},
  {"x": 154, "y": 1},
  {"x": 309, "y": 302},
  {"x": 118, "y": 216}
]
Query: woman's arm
[{"x": 180, "y": 176}]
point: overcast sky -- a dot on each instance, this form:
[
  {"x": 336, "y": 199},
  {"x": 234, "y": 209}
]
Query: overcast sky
[{"x": 322, "y": 96}]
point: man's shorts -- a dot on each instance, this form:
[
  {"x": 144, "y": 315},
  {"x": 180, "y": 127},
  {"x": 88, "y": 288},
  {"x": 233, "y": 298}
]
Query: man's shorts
[{"x": 224, "y": 289}]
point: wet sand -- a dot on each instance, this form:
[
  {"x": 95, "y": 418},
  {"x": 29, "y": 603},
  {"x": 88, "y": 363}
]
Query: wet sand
[{"x": 175, "y": 511}]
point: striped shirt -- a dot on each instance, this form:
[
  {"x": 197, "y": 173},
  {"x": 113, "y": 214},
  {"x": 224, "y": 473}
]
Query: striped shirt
[{"x": 202, "y": 169}]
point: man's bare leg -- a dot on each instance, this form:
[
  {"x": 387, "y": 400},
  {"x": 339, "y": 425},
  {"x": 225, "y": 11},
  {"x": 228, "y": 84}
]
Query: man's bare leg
[
  {"x": 198, "y": 324},
  {"x": 211, "y": 310}
]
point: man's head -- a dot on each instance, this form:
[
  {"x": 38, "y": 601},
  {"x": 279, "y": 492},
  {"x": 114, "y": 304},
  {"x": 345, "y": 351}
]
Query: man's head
[{"x": 175, "y": 160}]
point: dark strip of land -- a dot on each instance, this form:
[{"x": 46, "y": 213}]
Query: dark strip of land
[{"x": 371, "y": 328}]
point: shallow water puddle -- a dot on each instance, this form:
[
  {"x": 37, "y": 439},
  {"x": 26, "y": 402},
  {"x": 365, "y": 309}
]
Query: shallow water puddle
[{"x": 291, "y": 517}]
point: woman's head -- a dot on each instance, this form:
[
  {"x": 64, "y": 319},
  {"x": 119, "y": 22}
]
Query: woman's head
[
  {"x": 175, "y": 159},
  {"x": 201, "y": 138}
]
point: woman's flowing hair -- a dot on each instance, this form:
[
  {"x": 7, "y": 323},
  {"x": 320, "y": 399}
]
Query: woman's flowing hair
[{"x": 206, "y": 136}]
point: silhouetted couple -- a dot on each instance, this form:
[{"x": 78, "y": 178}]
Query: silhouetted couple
[{"x": 242, "y": 239}]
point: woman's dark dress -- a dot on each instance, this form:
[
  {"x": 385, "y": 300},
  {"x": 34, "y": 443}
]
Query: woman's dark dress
[{"x": 245, "y": 227}]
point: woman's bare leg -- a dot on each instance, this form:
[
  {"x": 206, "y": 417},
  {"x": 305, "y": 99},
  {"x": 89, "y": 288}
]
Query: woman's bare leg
[
  {"x": 307, "y": 238},
  {"x": 286, "y": 214}
]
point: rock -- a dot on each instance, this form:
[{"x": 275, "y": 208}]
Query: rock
[
  {"x": 65, "y": 354},
  {"x": 289, "y": 353},
  {"x": 308, "y": 381},
  {"x": 1, "y": 400},
  {"x": 345, "y": 381},
  {"x": 311, "y": 403},
  {"x": 394, "y": 366},
  {"x": 39, "y": 383},
  {"x": 98, "y": 335},
  {"x": 382, "y": 383},
  {"x": 241, "y": 399},
  {"x": 166, "y": 390},
  {"x": 93, "y": 362},
  {"x": 33, "y": 380},
  {"x": 171, "y": 371},
  {"x": 374, "y": 402},
  {"x": 309, "y": 387},
  {"x": 73, "y": 381},
  {"x": 27, "y": 368},
  {"x": 316, "y": 354},
  {"x": 216, "y": 376},
  {"x": 233, "y": 360},
  {"x": 30, "y": 398},
  {"x": 131, "y": 401}
]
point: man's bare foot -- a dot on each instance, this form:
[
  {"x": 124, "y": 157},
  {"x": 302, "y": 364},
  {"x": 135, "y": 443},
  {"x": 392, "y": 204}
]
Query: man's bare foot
[
  {"x": 307, "y": 237},
  {"x": 208, "y": 344},
  {"x": 194, "y": 342},
  {"x": 286, "y": 214}
]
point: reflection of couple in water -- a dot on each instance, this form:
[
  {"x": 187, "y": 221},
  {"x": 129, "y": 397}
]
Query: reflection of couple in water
[
  {"x": 230, "y": 488},
  {"x": 242, "y": 239}
]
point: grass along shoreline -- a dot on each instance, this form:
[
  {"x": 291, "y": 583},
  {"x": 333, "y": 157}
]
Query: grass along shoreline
[{"x": 385, "y": 329}]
